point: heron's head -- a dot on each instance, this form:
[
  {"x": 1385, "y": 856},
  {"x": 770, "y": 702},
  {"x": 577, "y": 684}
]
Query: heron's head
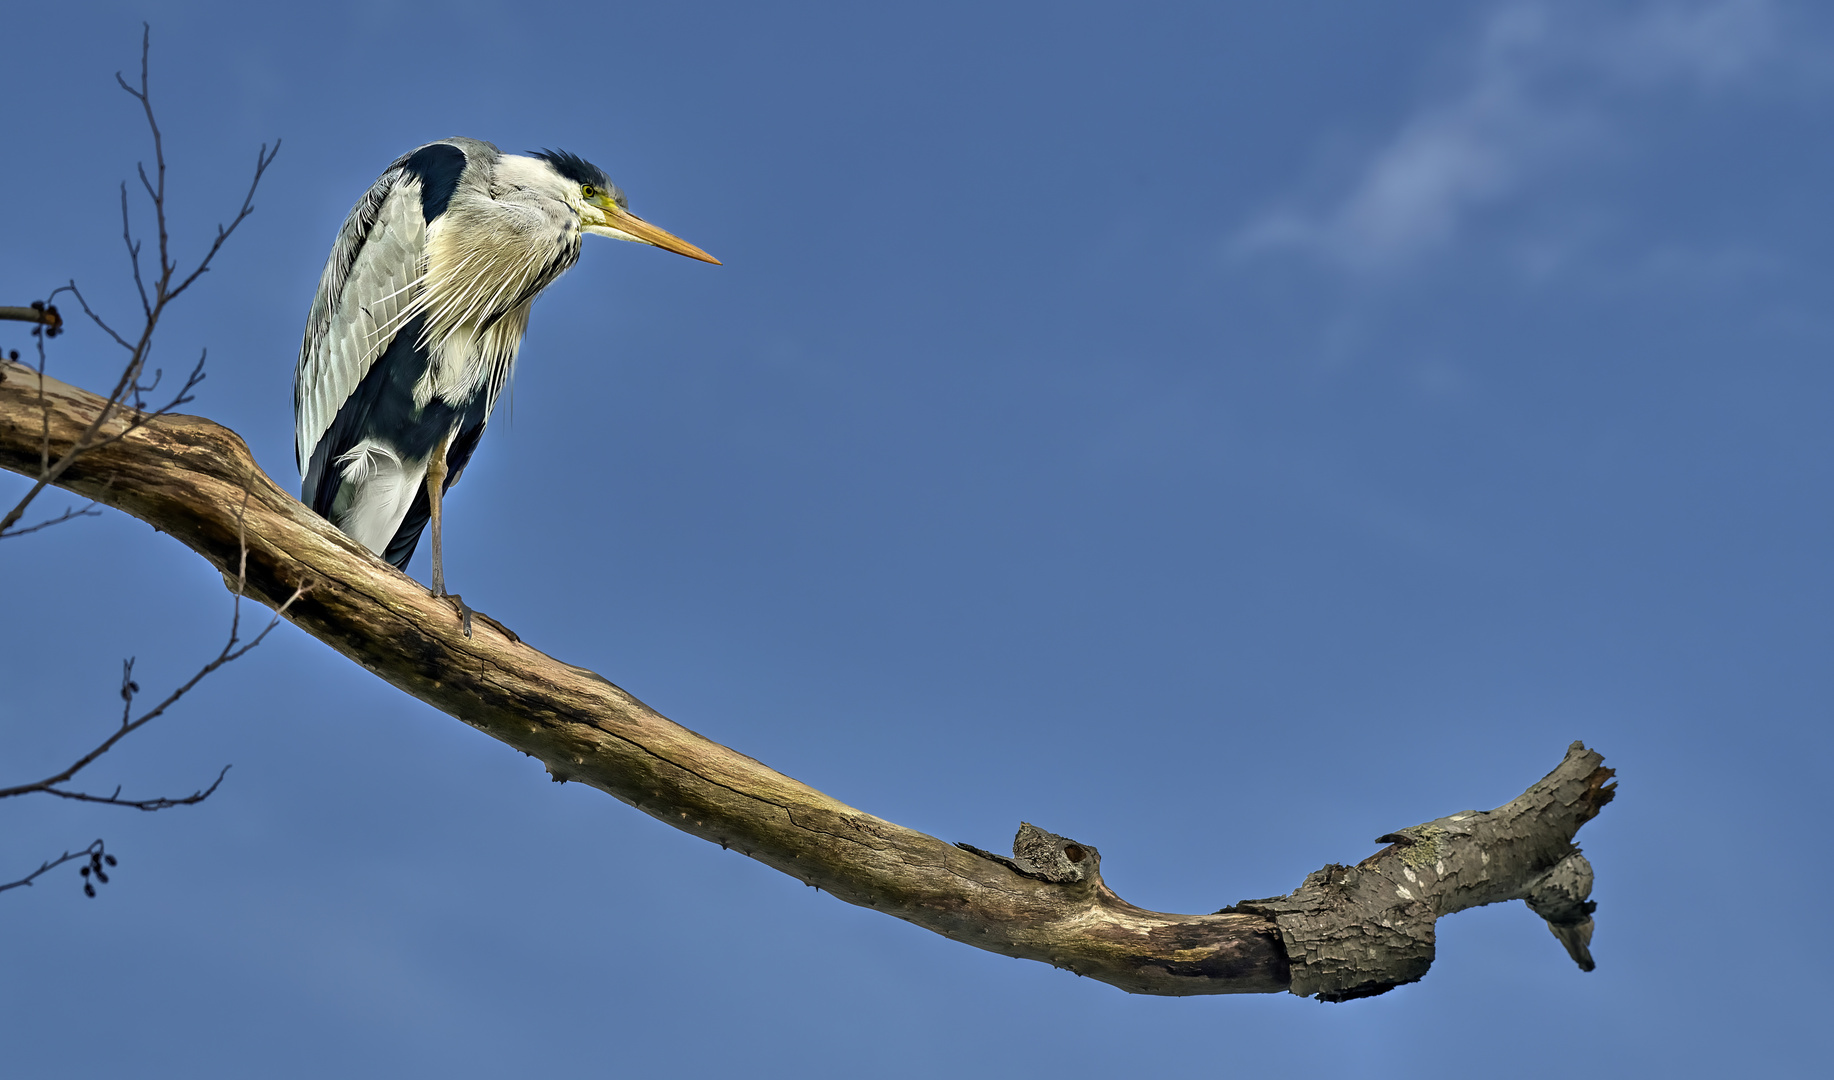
[{"x": 602, "y": 208}]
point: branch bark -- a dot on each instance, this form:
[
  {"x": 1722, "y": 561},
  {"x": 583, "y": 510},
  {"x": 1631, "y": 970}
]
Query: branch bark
[
  {"x": 45, "y": 316},
  {"x": 1346, "y": 932}
]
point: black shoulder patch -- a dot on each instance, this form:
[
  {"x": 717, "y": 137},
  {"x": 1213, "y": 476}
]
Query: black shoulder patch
[
  {"x": 579, "y": 170},
  {"x": 437, "y": 166}
]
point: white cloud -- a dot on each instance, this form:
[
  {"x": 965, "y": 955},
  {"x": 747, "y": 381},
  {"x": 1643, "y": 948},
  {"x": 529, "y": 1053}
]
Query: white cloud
[
  {"x": 1538, "y": 75},
  {"x": 1709, "y": 42}
]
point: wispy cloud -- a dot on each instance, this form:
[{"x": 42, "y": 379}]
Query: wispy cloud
[
  {"x": 1709, "y": 42},
  {"x": 1539, "y": 76}
]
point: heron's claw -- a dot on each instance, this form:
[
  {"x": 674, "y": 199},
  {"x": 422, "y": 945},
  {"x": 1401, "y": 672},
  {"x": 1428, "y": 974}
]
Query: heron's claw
[{"x": 458, "y": 605}]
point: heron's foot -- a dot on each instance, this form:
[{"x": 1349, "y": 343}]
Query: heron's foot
[{"x": 459, "y": 606}]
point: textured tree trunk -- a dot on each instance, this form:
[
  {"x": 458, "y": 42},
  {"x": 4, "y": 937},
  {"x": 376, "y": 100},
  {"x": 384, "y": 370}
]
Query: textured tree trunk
[{"x": 1346, "y": 932}]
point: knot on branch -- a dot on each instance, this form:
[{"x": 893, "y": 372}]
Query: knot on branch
[
  {"x": 1561, "y": 896},
  {"x": 1054, "y": 858},
  {"x": 1047, "y": 857}
]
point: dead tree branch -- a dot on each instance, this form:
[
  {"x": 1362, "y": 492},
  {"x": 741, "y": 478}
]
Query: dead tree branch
[{"x": 1346, "y": 932}]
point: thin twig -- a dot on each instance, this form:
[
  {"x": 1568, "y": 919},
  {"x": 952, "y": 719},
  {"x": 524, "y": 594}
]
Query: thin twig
[
  {"x": 263, "y": 158},
  {"x": 158, "y": 195},
  {"x": 232, "y": 651},
  {"x": 97, "y": 319},
  {"x": 129, "y": 385},
  {"x": 133, "y": 255},
  {"x": 94, "y": 850},
  {"x": 88, "y": 509},
  {"x": 229, "y": 654},
  {"x": 157, "y": 803}
]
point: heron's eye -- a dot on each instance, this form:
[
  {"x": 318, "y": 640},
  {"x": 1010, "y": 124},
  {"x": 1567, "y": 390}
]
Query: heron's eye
[{"x": 589, "y": 191}]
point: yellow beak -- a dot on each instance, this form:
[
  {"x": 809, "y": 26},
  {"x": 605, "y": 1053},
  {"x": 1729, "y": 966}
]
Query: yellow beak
[{"x": 625, "y": 225}]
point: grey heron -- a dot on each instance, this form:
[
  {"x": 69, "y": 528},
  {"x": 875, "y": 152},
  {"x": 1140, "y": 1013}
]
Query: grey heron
[{"x": 419, "y": 313}]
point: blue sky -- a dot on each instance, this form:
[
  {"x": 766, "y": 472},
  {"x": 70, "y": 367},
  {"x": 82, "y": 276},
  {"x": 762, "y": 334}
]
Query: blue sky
[{"x": 1219, "y": 433}]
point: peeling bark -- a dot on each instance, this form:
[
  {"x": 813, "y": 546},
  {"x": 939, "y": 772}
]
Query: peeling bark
[
  {"x": 1346, "y": 932},
  {"x": 1357, "y": 931}
]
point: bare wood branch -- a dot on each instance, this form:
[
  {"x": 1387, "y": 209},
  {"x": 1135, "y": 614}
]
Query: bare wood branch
[{"x": 196, "y": 481}]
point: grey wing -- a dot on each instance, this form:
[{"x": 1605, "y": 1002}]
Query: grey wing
[{"x": 370, "y": 281}]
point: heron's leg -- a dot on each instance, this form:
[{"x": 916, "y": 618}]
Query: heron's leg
[{"x": 436, "y": 490}]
